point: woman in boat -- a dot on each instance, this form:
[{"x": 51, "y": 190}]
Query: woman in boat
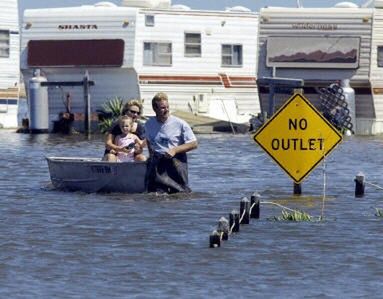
[{"x": 133, "y": 109}]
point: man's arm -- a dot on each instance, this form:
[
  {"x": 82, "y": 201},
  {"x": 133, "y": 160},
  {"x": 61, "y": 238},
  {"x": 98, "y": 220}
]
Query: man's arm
[{"x": 183, "y": 148}]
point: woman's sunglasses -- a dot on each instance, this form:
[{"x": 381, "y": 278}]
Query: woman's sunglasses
[{"x": 133, "y": 112}]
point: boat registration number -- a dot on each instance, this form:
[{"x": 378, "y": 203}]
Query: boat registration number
[{"x": 103, "y": 169}]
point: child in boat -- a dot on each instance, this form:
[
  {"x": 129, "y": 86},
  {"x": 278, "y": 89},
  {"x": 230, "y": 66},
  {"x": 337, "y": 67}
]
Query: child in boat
[{"x": 127, "y": 145}]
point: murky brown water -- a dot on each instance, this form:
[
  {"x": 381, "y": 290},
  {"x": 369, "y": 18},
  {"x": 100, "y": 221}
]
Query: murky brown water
[{"x": 57, "y": 244}]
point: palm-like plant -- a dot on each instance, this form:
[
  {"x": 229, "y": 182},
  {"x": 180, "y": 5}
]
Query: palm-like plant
[{"x": 109, "y": 113}]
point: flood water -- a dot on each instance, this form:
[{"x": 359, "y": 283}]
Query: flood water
[{"x": 56, "y": 244}]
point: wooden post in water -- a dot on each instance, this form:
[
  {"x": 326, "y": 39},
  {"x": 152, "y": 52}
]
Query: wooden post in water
[
  {"x": 255, "y": 204},
  {"x": 223, "y": 228},
  {"x": 234, "y": 220},
  {"x": 215, "y": 239},
  {"x": 297, "y": 189},
  {"x": 88, "y": 116},
  {"x": 245, "y": 210},
  {"x": 359, "y": 185}
]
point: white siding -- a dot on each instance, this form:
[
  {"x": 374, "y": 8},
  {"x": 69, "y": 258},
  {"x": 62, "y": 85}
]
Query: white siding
[
  {"x": 215, "y": 27},
  {"x": 377, "y": 72},
  {"x": 171, "y": 27},
  {"x": 348, "y": 22},
  {"x": 9, "y": 66},
  {"x": 43, "y": 25},
  {"x": 9, "y": 21},
  {"x": 321, "y": 22},
  {"x": 112, "y": 23}
]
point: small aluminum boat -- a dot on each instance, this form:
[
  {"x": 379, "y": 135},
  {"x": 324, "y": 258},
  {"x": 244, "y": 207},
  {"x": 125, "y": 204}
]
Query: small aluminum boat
[{"x": 93, "y": 175}]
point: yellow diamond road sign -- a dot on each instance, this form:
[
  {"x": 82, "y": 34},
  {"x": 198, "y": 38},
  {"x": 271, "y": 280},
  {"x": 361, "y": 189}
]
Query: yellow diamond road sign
[{"x": 297, "y": 137}]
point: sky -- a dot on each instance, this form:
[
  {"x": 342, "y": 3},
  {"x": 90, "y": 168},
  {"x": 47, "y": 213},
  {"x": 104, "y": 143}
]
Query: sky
[{"x": 254, "y": 5}]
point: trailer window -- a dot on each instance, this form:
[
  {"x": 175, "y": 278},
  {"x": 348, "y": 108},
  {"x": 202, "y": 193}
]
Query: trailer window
[
  {"x": 65, "y": 53},
  {"x": 157, "y": 54},
  {"x": 4, "y": 43},
  {"x": 380, "y": 56},
  {"x": 192, "y": 44},
  {"x": 149, "y": 20},
  {"x": 231, "y": 55}
]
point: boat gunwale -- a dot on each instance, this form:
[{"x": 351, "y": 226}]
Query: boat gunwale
[{"x": 83, "y": 160}]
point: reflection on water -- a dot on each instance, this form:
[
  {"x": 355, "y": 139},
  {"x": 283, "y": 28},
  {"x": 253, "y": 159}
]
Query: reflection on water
[
  {"x": 73, "y": 245},
  {"x": 22, "y": 111}
]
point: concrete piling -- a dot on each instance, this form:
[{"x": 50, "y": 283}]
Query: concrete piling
[
  {"x": 245, "y": 210},
  {"x": 234, "y": 221},
  {"x": 215, "y": 239},
  {"x": 297, "y": 189},
  {"x": 248, "y": 209},
  {"x": 359, "y": 184},
  {"x": 255, "y": 204},
  {"x": 223, "y": 228}
]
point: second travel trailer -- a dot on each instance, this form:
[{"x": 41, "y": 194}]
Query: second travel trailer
[
  {"x": 325, "y": 45},
  {"x": 204, "y": 60},
  {"x": 9, "y": 63}
]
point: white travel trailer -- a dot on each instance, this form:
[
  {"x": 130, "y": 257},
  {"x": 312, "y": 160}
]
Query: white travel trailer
[
  {"x": 323, "y": 45},
  {"x": 9, "y": 63},
  {"x": 204, "y": 60}
]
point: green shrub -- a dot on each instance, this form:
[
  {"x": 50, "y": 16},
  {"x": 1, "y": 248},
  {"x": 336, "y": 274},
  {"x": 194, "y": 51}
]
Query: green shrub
[
  {"x": 295, "y": 215},
  {"x": 109, "y": 113},
  {"x": 378, "y": 212}
]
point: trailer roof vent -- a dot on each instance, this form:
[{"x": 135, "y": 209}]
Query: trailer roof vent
[
  {"x": 147, "y": 3},
  {"x": 105, "y": 4},
  {"x": 238, "y": 9},
  {"x": 180, "y": 7},
  {"x": 346, "y": 5}
]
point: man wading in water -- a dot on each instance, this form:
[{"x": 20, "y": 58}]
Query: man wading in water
[{"x": 168, "y": 138}]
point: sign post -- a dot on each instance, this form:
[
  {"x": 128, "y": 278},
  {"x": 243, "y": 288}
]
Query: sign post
[{"x": 297, "y": 137}]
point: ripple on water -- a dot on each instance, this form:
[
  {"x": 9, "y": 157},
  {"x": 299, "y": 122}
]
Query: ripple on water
[{"x": 74, "y": 245}]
